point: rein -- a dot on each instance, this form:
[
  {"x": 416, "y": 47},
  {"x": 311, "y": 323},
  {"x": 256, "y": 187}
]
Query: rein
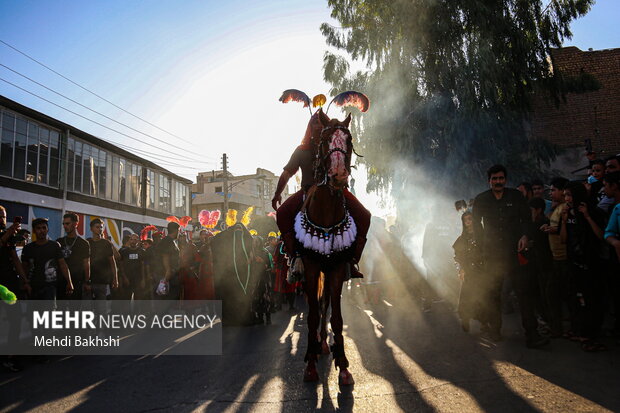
[{"x": 244, "y": 288}]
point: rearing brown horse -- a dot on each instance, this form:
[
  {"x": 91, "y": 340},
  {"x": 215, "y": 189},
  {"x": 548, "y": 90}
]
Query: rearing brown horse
[{"x": 326, "y": 231}]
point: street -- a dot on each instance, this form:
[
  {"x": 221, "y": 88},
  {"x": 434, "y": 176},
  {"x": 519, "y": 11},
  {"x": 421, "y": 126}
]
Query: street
[{"x": 402, "y": 360}]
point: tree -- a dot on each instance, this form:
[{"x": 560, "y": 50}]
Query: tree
[{"x": 450, "y": 82}]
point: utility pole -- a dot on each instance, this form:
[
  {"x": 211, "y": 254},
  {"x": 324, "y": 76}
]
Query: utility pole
[{"x": 225, "y": 183}]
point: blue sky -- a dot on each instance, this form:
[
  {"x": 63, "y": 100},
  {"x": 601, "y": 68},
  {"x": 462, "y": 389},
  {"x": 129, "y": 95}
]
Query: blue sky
[{"x": 208, "y": 71}]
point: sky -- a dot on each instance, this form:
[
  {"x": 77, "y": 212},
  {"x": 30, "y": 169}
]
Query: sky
[{"x": 208, "y": 72}]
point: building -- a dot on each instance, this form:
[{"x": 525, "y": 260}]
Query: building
[
  {"x": 48, "y": 168},
  {"x": 243, "y": 191},
  {"x": 587, "y": 116}
]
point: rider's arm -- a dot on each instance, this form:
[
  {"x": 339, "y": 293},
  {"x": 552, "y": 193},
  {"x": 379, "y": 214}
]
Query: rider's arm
[
  {"x": 286, "y": 175},
  {"x": 277, "y": 197}
]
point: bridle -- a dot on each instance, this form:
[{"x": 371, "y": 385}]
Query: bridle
[{"x": 322, "y": 157}]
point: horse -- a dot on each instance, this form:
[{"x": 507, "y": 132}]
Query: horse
[
  {"x": 325, "y": 233},
  {"x": 235, "y": 275}
]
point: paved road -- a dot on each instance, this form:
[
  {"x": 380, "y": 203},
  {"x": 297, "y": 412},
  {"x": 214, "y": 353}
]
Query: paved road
[{"x": 402, "y": 360}]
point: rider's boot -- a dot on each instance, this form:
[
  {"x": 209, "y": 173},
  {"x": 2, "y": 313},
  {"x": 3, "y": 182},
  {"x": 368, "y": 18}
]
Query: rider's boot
[{"x": 357, "y": 255}]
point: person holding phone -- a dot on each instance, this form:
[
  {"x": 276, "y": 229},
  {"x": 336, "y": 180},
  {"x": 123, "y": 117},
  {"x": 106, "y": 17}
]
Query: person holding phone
[{"x": 582, "y": 230}]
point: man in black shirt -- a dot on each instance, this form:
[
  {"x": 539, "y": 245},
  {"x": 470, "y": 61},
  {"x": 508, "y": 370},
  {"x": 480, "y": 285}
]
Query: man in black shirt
[
  {"x": 168, "y": 249},
  {"x": 76, "y": 252},
  {"x": 501, "y": 218},
  {"x": 132, "y": 267},
  {"x": 42, "y": 260},
  {"x": 102, "y": 263}
]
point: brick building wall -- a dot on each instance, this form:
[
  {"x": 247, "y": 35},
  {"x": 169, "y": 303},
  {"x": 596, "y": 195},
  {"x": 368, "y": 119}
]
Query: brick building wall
[{"x": 577, "y": 119}]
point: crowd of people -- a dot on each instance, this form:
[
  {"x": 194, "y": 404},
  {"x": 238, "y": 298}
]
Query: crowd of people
[
  {"x": 559, "y": 253},
  {"x": 168, "y": 266},
  {"x": 554, "y": 245}
]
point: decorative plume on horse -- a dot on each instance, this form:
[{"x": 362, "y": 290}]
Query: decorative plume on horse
[{"x": 323, "y": 226}]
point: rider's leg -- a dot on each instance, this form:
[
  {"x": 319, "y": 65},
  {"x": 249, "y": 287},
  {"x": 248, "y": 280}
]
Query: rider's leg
[
  {"x": 285, "y": 218},
  {"x": 361, "y": 216}
]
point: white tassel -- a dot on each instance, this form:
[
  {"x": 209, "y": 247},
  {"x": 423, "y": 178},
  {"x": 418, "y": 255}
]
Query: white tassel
[
  {"x": 328, "y": 246},
  {"x": 307, "y": 241},
  {"x": 338, "y": 241},
  {"x": 298, "y": 227},
  {"x": 322, "y": 246},
  {"x": 353, "y": 226},
  {"x": 346, "y": 240},
  {"x": 315, "y": 243}
]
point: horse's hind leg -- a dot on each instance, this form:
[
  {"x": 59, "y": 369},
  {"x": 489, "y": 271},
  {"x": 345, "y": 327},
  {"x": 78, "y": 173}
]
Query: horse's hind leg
[
  {"x": 311, "y": 290},
  {"x": 340, "y": 360}
]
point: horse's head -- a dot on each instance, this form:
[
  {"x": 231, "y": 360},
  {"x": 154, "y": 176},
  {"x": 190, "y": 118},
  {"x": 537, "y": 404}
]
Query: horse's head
[{"x": 334, "y": 151}]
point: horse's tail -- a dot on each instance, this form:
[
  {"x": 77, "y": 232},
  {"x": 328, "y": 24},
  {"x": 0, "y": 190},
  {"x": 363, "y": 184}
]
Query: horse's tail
[{"x": 321, "y": 287}]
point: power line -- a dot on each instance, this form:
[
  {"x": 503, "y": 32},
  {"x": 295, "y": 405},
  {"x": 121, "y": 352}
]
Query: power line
[
  {"x": 158, "y": 158},
  {"x": 84, "y": 117},
  {"x": 85, "y": 107},
  {"x": 93, "y": 93}
]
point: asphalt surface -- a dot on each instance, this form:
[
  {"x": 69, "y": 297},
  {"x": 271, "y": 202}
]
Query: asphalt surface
[{"x": 402, "y": 359}]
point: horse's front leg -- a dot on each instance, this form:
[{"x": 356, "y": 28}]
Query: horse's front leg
[
  {"x": 311, "y": 273},
  {"x": 324, "y": 303},
  {"x": 336, "y": 278}
]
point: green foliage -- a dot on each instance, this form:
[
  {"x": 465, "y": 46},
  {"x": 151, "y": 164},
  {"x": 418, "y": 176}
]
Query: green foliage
[{"x": 450, "y": 82}]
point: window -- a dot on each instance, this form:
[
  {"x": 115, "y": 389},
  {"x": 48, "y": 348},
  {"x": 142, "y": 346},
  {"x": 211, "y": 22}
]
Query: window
[
  {"x": 8, "y": 137},
  {"x": 70, "y": 163},
  {"x": 218, "y": 189},
  {"x": 44, "y": 152},
  {"x": 77, "y": 182},
  {"x": 54, "y": 159},
  {"x": 19, "y": 162},
  {"x": 164, "y": 194},
  {"x": 122, "y": 170},
  {"x": 108, "y": 176},
  {"x": 180, "y": 199},
  {"x": 136, "y": 185},
  {"x": 32, "y": 154},
  {"x": 25, "y": 150},
  {"x": 150, "y": 189},
  {"x": 86, "y": 168},
  {"x": 101, "y": 171},
  {"x": 94, "y": 165}
]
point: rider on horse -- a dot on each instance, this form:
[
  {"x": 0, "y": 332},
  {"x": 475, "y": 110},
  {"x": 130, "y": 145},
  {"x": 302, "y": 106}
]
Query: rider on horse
[{"x": 303, "y": 158}]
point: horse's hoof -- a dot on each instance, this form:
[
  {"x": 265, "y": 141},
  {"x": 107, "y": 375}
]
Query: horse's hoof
[
  {"x": 311, "y": 374},
  {"x": 345, "y": 378},
  {"x": 324, "y": 347}
]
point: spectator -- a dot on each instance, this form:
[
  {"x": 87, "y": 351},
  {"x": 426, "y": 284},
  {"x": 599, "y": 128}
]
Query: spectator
[
  {"x": 539, "y": 255},
  {"x": 168, "y": 249},
  {"x": 132, "y": 268},
  {"x": 595, "y": 181},
  {"x": 612, "y": 164},
  {"x": 42, "y": 260},
  {"x": 557, "y": 288},
  {"x": 612, "y": 231},
  {"x": 76, "y": 252},
  {"x": 21, "y": 240},
  {"x": 538, "y": 191},
  {"x": 436, "y": 245},
  {"x": 468, "y": 259},
  {"x": 12, "y": 276},
  {"x": 500, "y": 217},
  {"x": 582, "y": 229},
  {"x": 102, "y": 263},
  {"x": 612, "y": 236},
  {"x": 526, "y": 190}
]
